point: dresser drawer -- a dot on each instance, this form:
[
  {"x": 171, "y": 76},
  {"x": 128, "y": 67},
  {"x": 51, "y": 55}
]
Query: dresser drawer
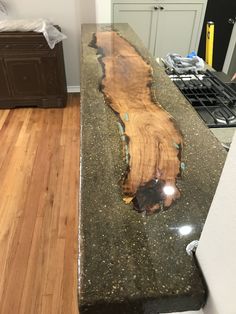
[
  {"x": 22, "y": 41},
  {"x": 24, "y": 46}
]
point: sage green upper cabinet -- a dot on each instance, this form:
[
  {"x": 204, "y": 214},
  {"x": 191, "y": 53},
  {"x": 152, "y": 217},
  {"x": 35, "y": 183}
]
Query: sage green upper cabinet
[
  {"x": 141, "y": 17},
  {"x": 164, "y": 26},
  {"x": 178, "y": 27}
]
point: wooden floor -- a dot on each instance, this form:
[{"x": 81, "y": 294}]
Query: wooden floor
[{"x": 39, "y": 171}]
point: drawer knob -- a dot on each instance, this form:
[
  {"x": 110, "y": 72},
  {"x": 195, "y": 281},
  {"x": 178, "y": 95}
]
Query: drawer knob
[
  {"x": 161, "y": 8},
  {"x": 155, "y": 8}
]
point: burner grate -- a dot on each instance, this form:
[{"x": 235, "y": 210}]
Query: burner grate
[{"x": 214, "y": 101}]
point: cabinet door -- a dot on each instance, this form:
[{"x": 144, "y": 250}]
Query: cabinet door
[
  {"x": 4, "y": 88},
  {"x": 51, "y": 75},
  {"x": 141, "y": 17},
  {"x": 178, "y": 28},
  {"x": 25, "y": 76}
]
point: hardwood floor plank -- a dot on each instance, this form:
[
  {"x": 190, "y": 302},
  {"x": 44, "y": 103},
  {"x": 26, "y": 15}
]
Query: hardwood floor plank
[
  {"x": 3, "y": 116},
  {"x": 39, "y": 171}
]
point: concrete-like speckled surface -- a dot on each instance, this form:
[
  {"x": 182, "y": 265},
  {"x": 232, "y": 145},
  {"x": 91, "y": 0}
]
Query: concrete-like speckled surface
[{"x": 130, "y": 263}]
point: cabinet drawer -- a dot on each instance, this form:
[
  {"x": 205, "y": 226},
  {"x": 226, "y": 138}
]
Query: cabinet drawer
[
  {"x": 24, "y": 46},
  {"x": 22, "y": 41}
]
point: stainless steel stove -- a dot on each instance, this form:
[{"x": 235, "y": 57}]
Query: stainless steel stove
[{"x": 214, "y": 100}]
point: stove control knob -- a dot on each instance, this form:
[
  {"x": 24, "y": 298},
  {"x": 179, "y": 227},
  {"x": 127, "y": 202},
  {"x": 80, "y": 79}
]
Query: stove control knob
[{"x": 232, "y": 20}]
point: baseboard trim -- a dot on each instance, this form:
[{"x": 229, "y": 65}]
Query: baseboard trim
[{"x": 73, "y": 89}]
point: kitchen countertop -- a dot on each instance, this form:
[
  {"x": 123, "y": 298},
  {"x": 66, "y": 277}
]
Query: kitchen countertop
[{"x": 131, "y": 263}]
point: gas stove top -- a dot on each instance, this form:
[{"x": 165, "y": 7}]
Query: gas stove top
[{"x": 213, "y": 100}]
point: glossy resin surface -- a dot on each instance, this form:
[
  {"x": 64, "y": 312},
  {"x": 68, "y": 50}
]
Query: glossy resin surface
[
  {"x": 129, "y": 262},
  {"x": 152, "y": 142}
]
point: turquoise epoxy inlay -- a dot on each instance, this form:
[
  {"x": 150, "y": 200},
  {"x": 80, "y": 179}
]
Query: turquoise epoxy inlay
[
  {"x": 121, "y": 129},
  {"x": 126, "y": 116}
]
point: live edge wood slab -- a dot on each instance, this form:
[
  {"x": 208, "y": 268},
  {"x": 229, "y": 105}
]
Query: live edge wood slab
[
  {"x": 130, "y": 262},
  {"x": 152, "y": 142}
]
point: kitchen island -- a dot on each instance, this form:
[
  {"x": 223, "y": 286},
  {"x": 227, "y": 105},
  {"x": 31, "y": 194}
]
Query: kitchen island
[{"x": 130, "y": 262}]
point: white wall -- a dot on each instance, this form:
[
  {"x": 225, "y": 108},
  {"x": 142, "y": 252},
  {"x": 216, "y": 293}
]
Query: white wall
[
  {"x": 63, "y": 13},
  {"x": 95, "y": 11},
  {"x": 103, "y": 9}
]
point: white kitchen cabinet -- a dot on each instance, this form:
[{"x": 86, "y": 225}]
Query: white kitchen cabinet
[
  {"x": 141, "y": 17},
  {"x": 164, "y": 26}
]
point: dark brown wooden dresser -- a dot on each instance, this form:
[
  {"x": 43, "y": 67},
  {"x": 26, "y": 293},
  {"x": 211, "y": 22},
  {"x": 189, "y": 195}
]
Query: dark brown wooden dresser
[{"x": 31, "y": 74}]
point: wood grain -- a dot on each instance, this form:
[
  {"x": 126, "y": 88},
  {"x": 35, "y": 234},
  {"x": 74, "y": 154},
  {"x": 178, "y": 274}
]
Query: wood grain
[
  {"x": 154, "y": 141},
  {"x": 39, "y": 171}
]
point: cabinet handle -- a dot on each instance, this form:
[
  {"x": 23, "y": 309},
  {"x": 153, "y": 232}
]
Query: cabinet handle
[
  {"x": 161, "y": 8},
  {"x": 156, "y": 8}
]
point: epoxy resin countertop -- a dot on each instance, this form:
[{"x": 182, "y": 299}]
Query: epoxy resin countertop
[{"x": 130, "y": 262}]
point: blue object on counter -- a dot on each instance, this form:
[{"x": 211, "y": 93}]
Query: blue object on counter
[{"x": 192, "y": 55}]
